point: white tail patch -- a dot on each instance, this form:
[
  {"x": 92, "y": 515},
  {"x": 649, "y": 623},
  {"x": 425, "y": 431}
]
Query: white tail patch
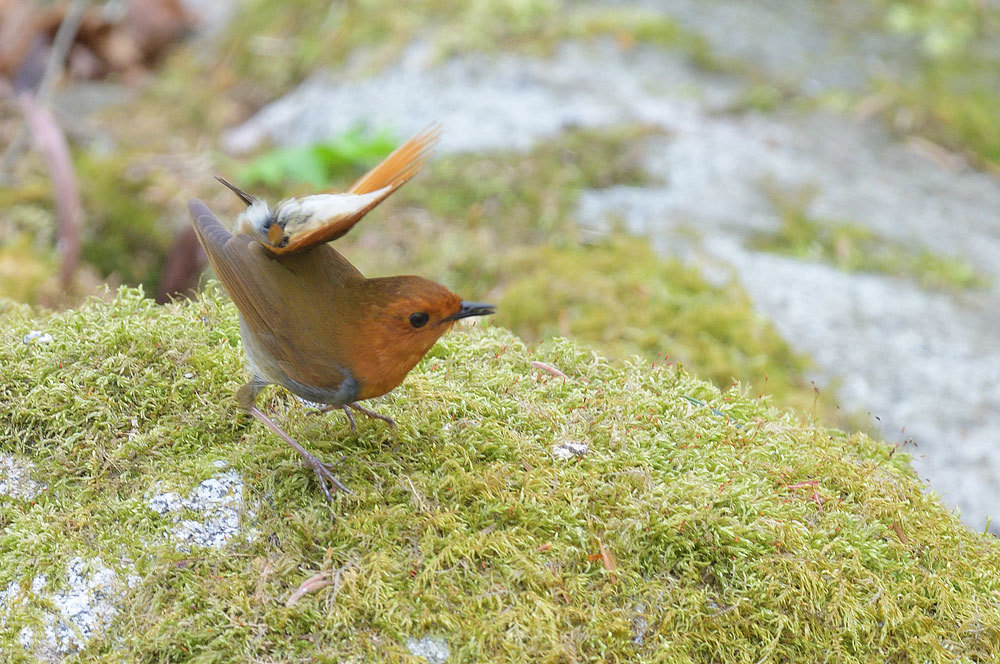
[
  {"x": 299, "y": 215},
  {"x": 300, "y": 223}
]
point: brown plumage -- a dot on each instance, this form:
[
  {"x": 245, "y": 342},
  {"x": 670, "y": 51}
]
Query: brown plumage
[{"x": 309, "y": 320}]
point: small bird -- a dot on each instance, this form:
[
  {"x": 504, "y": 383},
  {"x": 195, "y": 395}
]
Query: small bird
[{"x": 309, "y": 320}]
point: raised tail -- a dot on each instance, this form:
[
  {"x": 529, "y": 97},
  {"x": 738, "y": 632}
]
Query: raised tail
[
  {"x": 314, "y": 220},
  {"x": 401, "y": 165}
]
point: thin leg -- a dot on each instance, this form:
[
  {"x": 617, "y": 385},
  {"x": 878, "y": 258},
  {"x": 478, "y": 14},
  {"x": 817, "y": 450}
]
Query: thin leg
[{"x": 322, "y": 471}]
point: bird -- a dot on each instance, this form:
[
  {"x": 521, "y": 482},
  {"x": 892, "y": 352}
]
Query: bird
[{"x": 309, "y": 320}]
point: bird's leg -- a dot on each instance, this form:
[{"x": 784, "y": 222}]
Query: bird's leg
[
  {"x": 371, "y": 413},
  {"x": 246, "y": 396}
]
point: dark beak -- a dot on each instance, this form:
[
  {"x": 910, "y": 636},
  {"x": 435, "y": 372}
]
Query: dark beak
[
  {"x": 472, "y": 309},
  {"x": 244, "y": 196}
]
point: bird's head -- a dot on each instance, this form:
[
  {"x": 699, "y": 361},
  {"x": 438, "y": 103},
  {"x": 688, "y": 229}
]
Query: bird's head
[{"x": 403, "y": 317}]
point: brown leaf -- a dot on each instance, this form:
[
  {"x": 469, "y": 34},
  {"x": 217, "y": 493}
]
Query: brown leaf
[
  {"x": 608, "y": 558},
  {"x": 312, "y": 584},
  {"x": 610, "y": 565},
  {"x": 898, "y": 529},
  {"x": 549, "y": 368},
  {"x": 184, "y": 263}
]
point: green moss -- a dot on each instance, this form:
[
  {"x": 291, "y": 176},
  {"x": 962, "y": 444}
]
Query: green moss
[
  {"x": 739, "y": 534},
  {"x": 24, "y": 269},
  {"x": 622, "y": 296},
  {"x": 532, "y": 196},
  {"x": 854, "y": 248},
  {"x": 954, "y": 104}
]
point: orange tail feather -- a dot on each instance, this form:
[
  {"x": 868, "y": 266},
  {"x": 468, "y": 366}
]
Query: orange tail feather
[{"x": 401, "y": 165}]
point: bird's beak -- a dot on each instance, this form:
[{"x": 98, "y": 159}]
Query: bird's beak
[
  {"x": 472, "y": 309},
  {"x": 243, "y": 196}
]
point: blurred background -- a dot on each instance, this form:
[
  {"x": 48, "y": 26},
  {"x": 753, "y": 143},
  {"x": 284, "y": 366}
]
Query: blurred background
[{"x": 802, "y": 196}]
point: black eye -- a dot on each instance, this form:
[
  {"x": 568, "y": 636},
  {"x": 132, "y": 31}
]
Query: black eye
[{"x": 419, "y": 319}]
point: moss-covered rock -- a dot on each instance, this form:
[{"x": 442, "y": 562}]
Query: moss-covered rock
[{"x": 514, "y": 516}]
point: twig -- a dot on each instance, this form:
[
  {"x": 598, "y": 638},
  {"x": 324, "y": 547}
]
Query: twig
[
  {"x": 549, "y": 369},
  {"x": 61, "y": 44},
  {"x": 51, "y": 142}
]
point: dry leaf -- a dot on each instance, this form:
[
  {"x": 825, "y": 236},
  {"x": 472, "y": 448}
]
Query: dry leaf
[
  {"x": 549, "y": 368},
  {"x": 312, "y": 584}
]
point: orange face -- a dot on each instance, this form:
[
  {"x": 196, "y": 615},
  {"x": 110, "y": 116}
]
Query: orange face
[{"x": 402, "y": 318}]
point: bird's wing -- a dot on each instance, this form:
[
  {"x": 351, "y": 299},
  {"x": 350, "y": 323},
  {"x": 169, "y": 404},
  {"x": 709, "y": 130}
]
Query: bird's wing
[
  {"x": 278, "y": 298},
  {"x": 314, "y": 220}
]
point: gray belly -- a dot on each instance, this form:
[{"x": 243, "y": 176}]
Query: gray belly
[{"x": 267, "y": 371}]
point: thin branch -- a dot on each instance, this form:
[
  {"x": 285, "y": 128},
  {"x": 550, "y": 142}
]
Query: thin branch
[
  {"x": 61, "y": 44},
  {"x": 51, "y": 142},
  {"x": 54, "y": 66}
]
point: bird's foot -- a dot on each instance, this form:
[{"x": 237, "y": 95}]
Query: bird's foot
[
  {"x": 324, "y": 476},
  {"x": 370, "y": 413},
  {"x": 327, "y": 409},
  {"x": 350, "y": 418}
]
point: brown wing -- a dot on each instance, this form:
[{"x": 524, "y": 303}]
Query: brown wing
[
  {"x": 290, "y": 303},
  {"x": 390, "y": 174}
]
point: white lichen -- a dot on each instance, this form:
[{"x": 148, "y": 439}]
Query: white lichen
[
  {"x": 433, "y": 649},
  {"x": 38, "y": 337},
  {"x": 71, "y": 616},
  {"x": 216, "y": 504},
  {"x": 15, "y": 478},
  {"x": 569, "y": 449}
]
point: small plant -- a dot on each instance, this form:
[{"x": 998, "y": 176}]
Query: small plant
[{"x": 319, "y": 163}]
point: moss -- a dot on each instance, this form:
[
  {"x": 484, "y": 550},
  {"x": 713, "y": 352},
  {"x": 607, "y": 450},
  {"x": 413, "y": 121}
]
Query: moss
[
  {"x": 622, "y": 296},
  {"x": 854, "y": 248},
  {"x": 24, "y": 269},
  {"x": 954, "y": 104},
  {"x": 534, "y": 194},
  {"x": 739, "y": 534}
]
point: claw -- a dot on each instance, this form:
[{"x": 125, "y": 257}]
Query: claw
[
  {"x": 371, "y": 413},
  {"x": 350, "y": 418},
  {"x": 323, "y": 475}
]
